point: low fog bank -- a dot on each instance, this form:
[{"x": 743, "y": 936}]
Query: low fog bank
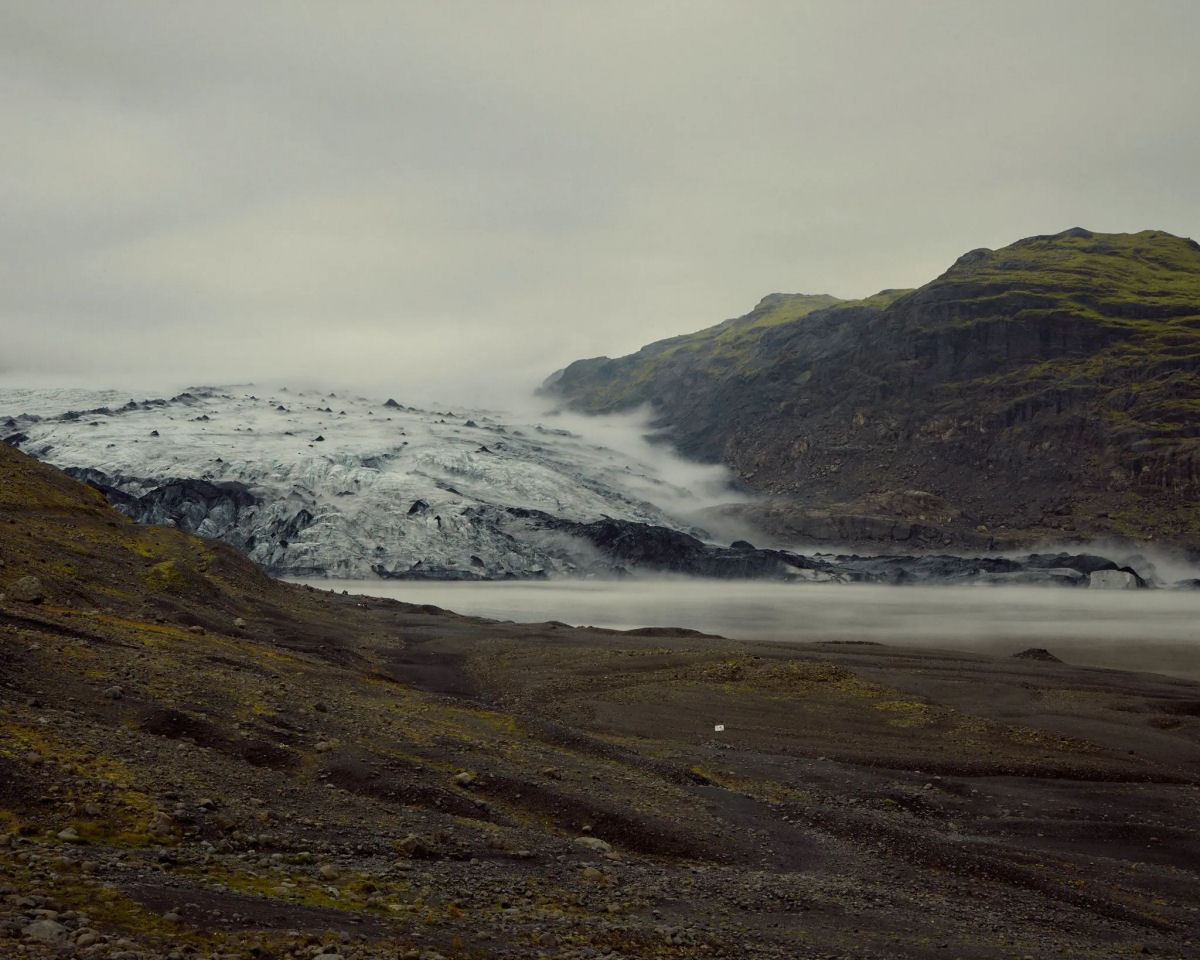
[
  {"x": 1146, "y": 630},
  {"x": 1157, "y": 564},
  {"x": 683, "y": 488}
]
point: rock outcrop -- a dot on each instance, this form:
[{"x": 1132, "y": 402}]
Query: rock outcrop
[{"x": 1050, "y": 388}]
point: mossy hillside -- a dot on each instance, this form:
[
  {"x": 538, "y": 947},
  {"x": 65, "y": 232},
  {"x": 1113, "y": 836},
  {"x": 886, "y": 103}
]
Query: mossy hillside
[
  {"x": 1109, "y": 309},
  {"x": 1122, "y": 279},
  {"x": 88, "y": 556},
  {"x": 1059, "y": 366},
  {"x": 1143, "y": 289},
  {"x": 715, "y": 353},
  {"x": 273, "y": 786}
]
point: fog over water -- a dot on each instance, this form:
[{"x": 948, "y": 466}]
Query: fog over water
[{"x": 1150, "y": 630}]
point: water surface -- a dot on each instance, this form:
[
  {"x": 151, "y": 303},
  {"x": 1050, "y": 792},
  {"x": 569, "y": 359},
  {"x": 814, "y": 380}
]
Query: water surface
[{"x": 1152, "y": 630}]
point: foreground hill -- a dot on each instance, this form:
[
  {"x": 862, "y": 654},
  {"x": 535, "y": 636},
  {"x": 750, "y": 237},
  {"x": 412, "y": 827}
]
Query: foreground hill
[
  {"x": 197, "y": 761},
  {"x": 1050, "y": 387}
]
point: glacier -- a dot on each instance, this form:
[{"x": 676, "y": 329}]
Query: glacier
[
  {"x": 332, "y": 484},
  {"x": 312, "y": 484}
]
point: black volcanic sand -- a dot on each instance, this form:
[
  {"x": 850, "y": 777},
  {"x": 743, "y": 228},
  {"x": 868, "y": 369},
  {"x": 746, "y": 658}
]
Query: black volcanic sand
[
  {"x": 198, "y": 762},
  {"x": 861, "y": 801}
]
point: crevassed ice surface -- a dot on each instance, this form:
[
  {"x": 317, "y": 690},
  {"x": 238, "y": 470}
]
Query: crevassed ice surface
[{"x": 388, "y": 490}]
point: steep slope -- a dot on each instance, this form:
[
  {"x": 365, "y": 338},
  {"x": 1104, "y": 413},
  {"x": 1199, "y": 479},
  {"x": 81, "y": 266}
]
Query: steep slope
[
  {"x": 1050, "y": 387},
  {"x": 198, "y": 761}
]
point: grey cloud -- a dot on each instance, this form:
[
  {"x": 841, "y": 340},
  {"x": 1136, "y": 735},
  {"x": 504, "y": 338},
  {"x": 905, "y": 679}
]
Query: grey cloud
[{"x": 454, "y": 195}]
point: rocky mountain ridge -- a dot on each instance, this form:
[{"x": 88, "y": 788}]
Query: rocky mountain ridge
[{"x": 1049, "y": 388}]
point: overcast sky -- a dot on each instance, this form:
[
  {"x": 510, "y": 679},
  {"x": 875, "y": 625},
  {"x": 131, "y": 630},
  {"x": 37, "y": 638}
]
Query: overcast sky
[{"x": 430, "y": 198}]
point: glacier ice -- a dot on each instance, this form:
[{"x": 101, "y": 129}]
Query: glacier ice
[{"x": 318, "y": 484}]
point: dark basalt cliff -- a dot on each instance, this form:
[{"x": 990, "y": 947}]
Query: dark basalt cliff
[{"x": 1048, "y": 388}]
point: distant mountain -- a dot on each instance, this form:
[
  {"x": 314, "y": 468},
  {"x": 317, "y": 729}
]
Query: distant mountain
[{"x": 1049, "y": 388}]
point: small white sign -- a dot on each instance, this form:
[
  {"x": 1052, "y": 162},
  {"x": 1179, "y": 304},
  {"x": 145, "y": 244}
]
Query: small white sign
[{"x": 720, "y": 728}]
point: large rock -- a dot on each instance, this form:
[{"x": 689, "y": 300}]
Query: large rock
[
  {"x": 1037, "y": 653},
  {"x": 26, "y": 590},
  {"x": 47, "y": 931},
  {"x": 595, "y": 844},
  {"x": 1113, "y": 580}
]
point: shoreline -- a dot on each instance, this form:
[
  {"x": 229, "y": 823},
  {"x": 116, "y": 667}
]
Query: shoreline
[{"x": 1146, "y": 630}]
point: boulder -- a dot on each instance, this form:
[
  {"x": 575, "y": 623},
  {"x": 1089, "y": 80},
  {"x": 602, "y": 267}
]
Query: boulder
[
  {"x": 594, "y": 843},
  {"x": 416, "y": 847},
  {"x": 48, "y": 931},
  {"x": 1083, "y": 562},
  {"x": 1113, "y": 580},
  {"x": 26, "y": 590}
]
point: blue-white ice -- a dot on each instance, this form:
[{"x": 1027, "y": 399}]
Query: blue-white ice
[{"x": 359, "y": 483}]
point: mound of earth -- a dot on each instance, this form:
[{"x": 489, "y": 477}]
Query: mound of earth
[{"x": 1037, "y": 653}]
